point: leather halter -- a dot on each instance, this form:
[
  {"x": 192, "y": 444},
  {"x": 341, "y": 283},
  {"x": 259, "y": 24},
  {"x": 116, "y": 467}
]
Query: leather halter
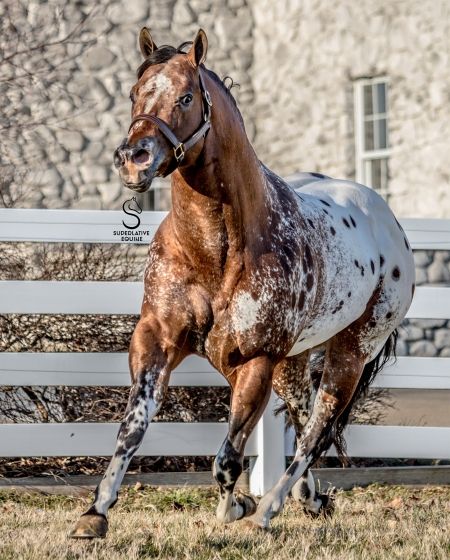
[{"x": 180, "y": 148}]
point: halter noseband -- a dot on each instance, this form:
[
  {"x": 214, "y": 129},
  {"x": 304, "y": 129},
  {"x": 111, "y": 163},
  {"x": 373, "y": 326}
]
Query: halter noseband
[{"x": 180, "y": 148}]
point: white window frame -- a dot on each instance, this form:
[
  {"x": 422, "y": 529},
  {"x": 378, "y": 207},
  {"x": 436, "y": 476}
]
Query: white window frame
[{"x": 362, "y": 155}]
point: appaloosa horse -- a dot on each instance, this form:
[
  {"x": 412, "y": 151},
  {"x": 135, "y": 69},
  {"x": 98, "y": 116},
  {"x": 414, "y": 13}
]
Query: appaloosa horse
[{"x": 251, "y": 275}]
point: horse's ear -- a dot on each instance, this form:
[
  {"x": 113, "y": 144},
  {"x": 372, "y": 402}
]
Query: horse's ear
[
  {"x": 197, "y": 53},
  {"x": 146, "y": 43}
]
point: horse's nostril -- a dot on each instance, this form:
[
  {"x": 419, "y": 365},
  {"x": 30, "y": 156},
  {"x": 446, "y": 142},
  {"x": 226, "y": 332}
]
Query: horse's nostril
[
  {"x": 141, "y": 156},
  {"x": 119, "y": 158}
]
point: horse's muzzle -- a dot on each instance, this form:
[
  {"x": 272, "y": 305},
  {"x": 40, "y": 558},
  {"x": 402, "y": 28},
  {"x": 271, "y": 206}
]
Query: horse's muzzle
[{"x": 137, "y": 165}]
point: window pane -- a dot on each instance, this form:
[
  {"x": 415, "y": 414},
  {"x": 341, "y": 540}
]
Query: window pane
[
  {"x": 368, "y": 108},
  {"x": 368, "y": 135},
  {"x": 376, "y": 174},
  {"x": 381, "y": 140},
  {"x": 380, "y": 95}
]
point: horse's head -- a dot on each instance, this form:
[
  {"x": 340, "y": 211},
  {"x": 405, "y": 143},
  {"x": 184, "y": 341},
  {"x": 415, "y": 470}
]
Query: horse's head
[{"x": 170, "y": 112}]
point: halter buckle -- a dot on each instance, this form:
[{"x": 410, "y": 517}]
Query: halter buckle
[
  {"x": 208, "y": 98},
  {"x": 179, "y": 152}
]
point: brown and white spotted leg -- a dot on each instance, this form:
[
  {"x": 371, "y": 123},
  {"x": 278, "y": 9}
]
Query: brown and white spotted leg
[
  {"x": 343, "y": 368},
  {"x": 150, "y": 369},
  {"x": 250, "y": 394},
  {"x": 296, "y": 380}
]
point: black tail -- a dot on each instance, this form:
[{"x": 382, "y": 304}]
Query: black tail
[{"x": 369, "y": 373}]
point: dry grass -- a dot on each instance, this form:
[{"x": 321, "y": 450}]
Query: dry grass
[{"x": 374, "y": 523}]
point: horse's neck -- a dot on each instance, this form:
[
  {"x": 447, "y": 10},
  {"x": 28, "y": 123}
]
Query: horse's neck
[{"x": 221, "y": 202}]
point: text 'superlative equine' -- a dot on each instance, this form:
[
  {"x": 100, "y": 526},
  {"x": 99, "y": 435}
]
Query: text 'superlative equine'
[{"x": 253, "y": 276}]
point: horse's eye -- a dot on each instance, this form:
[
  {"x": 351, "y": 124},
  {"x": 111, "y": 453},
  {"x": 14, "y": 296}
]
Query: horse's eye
[{"x": 186, "y": 99}]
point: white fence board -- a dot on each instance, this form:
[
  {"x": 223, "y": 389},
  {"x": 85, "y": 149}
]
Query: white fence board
[
  {"x": 401, "y": 442},
  {"x": 83, "y": 226},
  {"x": 85, "y": 439},
  {"x": 94, "y": 368},
  {"x": 124, "y": 298},
  {"x": 430, "y": 234},
  {"x": 415, "y": 373},
  {"x": 97, "y": 226},
  {"x": 72, "y": 439},
  {"x": 71, "y": 297},
  {"x": 111, "y": 369}
]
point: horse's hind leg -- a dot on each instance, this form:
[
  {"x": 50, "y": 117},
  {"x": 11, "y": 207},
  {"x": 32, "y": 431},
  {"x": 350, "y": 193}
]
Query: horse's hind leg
[
  {"x": 150, "y": 370},
  {"x": 296, "y": 380},
  {"x": 250, "y": 393},
  {"x": 344, "y": 364}
]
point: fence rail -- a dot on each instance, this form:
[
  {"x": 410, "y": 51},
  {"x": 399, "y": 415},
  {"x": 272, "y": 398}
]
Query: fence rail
[{"x": 269, "y": 443}]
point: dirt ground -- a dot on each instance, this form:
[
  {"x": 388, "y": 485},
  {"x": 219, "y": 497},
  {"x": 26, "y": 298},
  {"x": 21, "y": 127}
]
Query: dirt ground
[{"x": 375, "y": 523}]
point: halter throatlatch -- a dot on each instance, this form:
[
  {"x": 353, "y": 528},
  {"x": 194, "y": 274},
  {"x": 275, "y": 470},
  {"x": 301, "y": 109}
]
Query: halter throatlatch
[{"x": 180, "y": 148}]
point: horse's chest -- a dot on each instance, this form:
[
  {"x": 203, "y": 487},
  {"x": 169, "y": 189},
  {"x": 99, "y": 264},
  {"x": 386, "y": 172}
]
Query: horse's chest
[{"x": 264, "y": 312}]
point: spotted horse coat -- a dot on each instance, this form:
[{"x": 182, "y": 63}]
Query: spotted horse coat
[{"x": 252, "y": 275}]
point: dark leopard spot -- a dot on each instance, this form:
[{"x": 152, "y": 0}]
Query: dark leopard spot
[
  {"x": 372, "y": 324},
  {"x": 381, "y": 260},
  {"x": 325, "y": 202},
  {"x": 353, "y": 221},
  {"x": 349, "y": 294},
  {"x": 301, "y": 300},
  {"x": 388, "y": 315},
  {"x": 333, "y": 231},
  {"x": 396, "y": 274},
  {"x": 356, "y": 263},
  {"x": 311, "y": 223},
  {"x": 372, "y": 266},
  {"x": 309, "y": 281},
  {"x": 326, "y": 211},
  {"x": 345, "y": 222},
  {"x": 308, "y": 256},
  {"x": 362, "y": 271}
]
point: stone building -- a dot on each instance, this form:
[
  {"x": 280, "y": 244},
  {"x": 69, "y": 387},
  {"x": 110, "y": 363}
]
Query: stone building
[{"x": 353, "y": 90}]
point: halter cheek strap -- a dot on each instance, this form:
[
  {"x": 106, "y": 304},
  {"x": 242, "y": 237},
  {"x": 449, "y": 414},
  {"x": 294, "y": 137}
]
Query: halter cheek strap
[{"x": 180, "y": 148}]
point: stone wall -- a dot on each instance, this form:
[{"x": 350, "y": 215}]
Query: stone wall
[
  {"x": 307, "y": 55},
  {"x": 427, "y": 337},
  {"x": 295, "y": 62},
  {"x": 71, "y": 164}
]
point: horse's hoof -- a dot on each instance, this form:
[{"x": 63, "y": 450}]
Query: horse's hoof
[
  {"x": 90, "y": 526},
  {"x": 247, "y": 502},
  {"x": 326, "y": 509}
]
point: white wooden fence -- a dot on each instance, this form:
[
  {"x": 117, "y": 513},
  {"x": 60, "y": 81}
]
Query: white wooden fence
[{"x": 269, "y": 443}]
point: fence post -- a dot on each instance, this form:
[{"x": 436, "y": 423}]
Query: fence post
[{"x": 267, "y": 467}]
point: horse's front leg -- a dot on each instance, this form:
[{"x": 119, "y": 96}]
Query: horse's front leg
[
  {"x": 150, "y": 368},
  {"x": 250, "y": 393}
]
